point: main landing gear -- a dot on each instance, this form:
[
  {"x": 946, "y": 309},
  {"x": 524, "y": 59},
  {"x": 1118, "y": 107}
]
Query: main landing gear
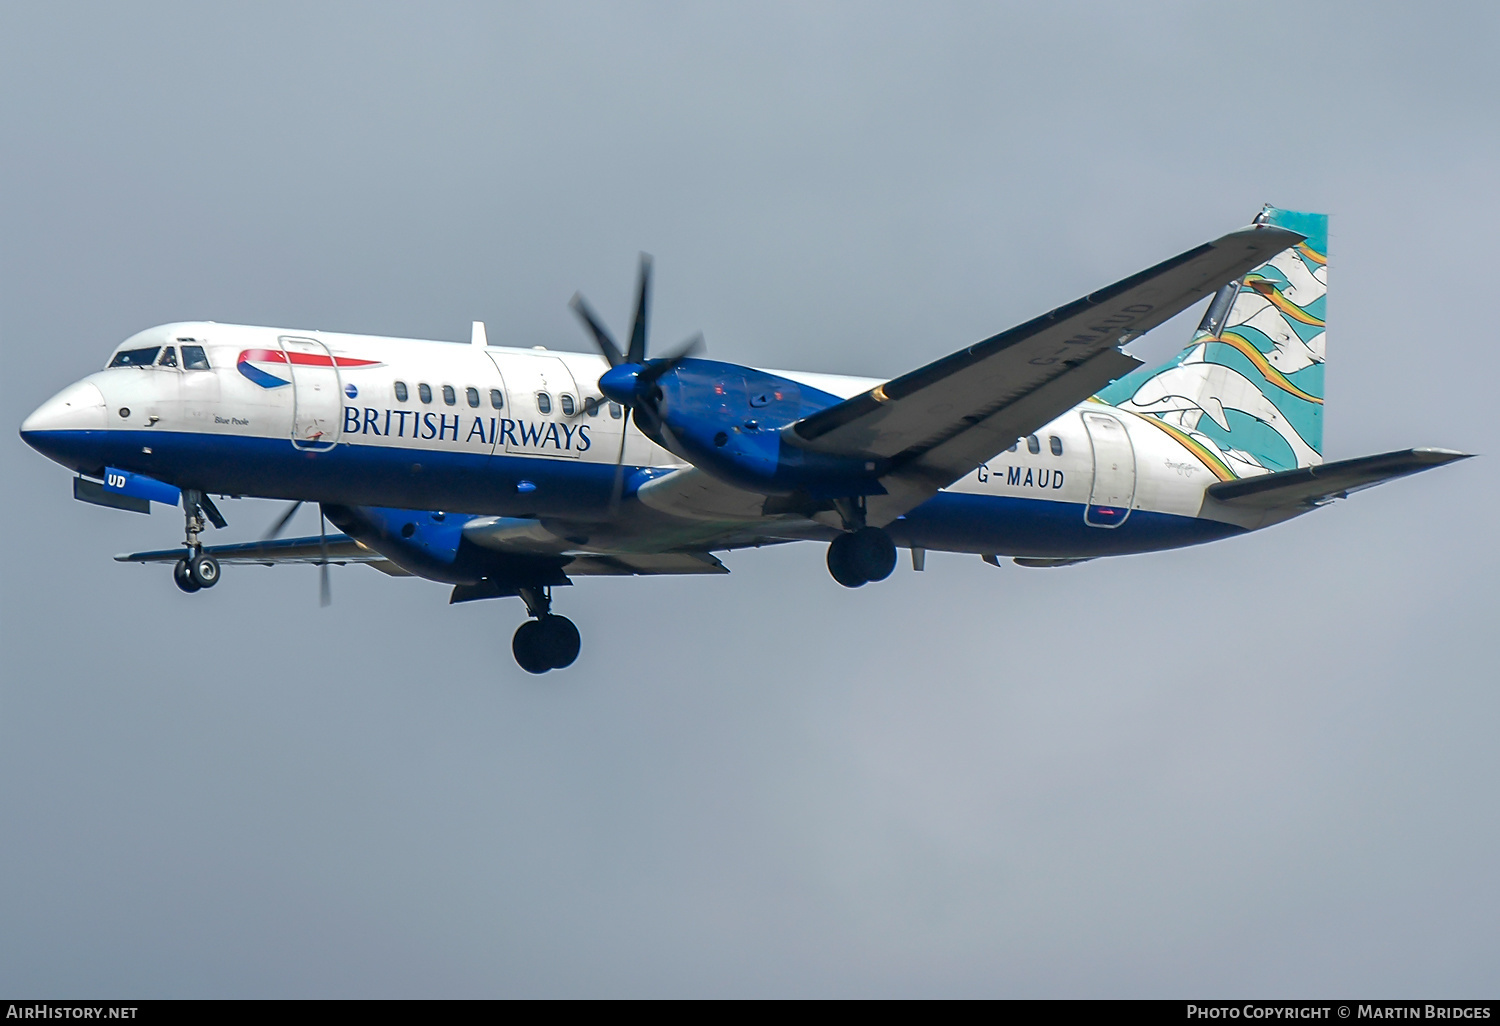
[
  {"x": 858, "y": 557},
  {"x": 862, "y": 553},
  {"x": 196, "y": 570},
  {"x": 548, "y": 642}
]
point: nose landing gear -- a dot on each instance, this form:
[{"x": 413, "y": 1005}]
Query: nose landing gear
[
  {"x": 548, "y": 642},
  {"x": 197, "y": 571}
]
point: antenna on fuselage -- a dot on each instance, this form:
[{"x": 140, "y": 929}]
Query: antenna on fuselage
[{"x": 478, "y": 337}]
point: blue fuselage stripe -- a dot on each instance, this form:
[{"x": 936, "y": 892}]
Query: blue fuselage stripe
[{"x": 479, "y": 483}]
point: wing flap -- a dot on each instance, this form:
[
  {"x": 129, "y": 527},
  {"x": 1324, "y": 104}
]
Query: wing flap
[{"x": 644, "y": 564}]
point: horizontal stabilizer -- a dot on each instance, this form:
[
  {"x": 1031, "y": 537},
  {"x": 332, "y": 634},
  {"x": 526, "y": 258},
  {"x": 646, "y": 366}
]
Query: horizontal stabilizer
[{"x": 1313, "y": 486}]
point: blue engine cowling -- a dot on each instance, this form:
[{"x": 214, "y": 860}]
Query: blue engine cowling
[
  {"x": 728, "y": 421},
  {"x": 432, "y": 545}
]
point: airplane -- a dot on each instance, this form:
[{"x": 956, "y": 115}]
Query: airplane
[{"x": 508, "y": 472}]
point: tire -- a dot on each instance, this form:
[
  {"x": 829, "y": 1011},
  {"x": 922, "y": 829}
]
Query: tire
[
  {"x": 876, "y": 553},
  {"x": 560, "y": 641},
  {"x": 204, "y": 570},
  {"x": 526, "y": 647},
  {"x": 842, "y": 562},
  {"x": 184, "y": 577}
]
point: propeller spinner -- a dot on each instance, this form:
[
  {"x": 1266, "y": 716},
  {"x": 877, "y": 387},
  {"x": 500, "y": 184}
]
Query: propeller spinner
[{"x": 631, "y": 378}]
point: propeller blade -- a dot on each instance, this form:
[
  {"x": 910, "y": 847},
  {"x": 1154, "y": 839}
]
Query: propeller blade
[
  {"x": 656, "y": 368},
  {"x": 619, "y": 486},
  {"x": 637, "y": 352},
  {"x": 601, "y": 334},
  {"x": 582, "y": 409},
  {"x": 281, "y": 523},
  {"x": 325, "y": 586}
]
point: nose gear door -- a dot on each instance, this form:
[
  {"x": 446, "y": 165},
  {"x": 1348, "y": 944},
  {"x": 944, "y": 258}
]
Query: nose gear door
[
  {"x": 1113, "y": 489},
  {"x": 317, "y": 394}
]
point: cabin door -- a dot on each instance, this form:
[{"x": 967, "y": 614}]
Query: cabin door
[
  {"x": 542, "y": 407},
  {"x": 317, "y": 394},
  {"x": 1113, "y": 489}
]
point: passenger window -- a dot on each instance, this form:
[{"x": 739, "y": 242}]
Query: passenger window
[
  {"x": 1014, "y": 445},
  {"x": 496, "y": 399},
  {"x": 169, "y": 357},
  {"x": 615, "y": 411},
  {"x": 567, "y": 405},
  {"x": 1056, "y": 444},
  {"x": 449, "y": 396},
  {"x": 135, "y": 357},
  {"x": 194, "y": 358},
  {"x": 543, "y": 402},
  {"x": 400, "y": 391},
  {"x": 1033, "y": 444},
  {"x": 424, "y": 392},
  {"x": 591, "y": 406},
  {"x": 472, "y": 394}
]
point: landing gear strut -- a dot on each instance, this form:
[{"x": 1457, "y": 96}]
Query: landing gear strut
[
  {"x": 862, "y": 553},
  {"x": 548, "y": 642},
  {"x": 197, "y": 571}
]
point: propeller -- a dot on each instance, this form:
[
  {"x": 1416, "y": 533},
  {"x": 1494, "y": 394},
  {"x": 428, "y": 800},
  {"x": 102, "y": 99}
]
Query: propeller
[
  {"x": 631, "y": 378},
  {"x": 325, "y": 586},
  {"x": 281, "y": 522}
]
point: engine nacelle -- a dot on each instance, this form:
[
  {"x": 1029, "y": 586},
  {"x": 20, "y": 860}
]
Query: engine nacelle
[
  {"x": 729, "y": 420},
  {"x": 432, "y": 545}
]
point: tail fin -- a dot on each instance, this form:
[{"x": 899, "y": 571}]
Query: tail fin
[{"x": 1246, "y": 395}]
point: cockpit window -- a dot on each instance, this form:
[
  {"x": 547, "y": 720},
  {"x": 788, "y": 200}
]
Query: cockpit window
[
  {"x": 168, "y": 357},
  {"x": 193, "y": 358},
  {"x": 135, "y": 357}
]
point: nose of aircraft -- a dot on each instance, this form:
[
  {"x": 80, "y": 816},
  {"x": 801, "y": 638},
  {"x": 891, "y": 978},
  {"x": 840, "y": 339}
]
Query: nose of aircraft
[{"x": 79, "y": 407}]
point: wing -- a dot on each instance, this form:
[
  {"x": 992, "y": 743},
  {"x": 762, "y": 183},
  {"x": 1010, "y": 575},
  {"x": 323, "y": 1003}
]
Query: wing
[
  {"x": 941, "y": 421},
  {"x": 343, "y": 549},
  {"x": 1312, "y": 486},
  {"x": 340, "y": 549}
]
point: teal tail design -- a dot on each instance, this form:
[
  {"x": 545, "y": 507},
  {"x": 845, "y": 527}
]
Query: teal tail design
[{"x": 1246, "y": 395}]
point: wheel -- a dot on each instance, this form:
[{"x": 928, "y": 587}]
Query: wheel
[
  {"x": 876, "y": 553},
  {"x": 204, "y": 570},
  {"x": 526, "y": 646},
  {"x": 184, "y": 577},
  {"x": 559, "y": 640},
  {"x": 842, "y": 562}
]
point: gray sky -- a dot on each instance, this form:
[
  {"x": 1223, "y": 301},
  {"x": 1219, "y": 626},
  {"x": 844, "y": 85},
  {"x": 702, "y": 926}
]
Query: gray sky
[{"x": 1261, "y": 767}]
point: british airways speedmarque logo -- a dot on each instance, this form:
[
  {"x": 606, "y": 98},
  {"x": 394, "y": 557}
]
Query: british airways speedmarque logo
[{"x": 253, "y": 363}]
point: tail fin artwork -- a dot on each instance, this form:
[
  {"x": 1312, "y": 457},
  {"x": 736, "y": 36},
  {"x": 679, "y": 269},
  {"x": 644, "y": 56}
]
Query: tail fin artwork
[{"x": 1246, "y": 395}]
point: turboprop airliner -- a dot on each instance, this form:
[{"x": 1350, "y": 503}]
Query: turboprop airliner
[{"x": 509, "y": 472}]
